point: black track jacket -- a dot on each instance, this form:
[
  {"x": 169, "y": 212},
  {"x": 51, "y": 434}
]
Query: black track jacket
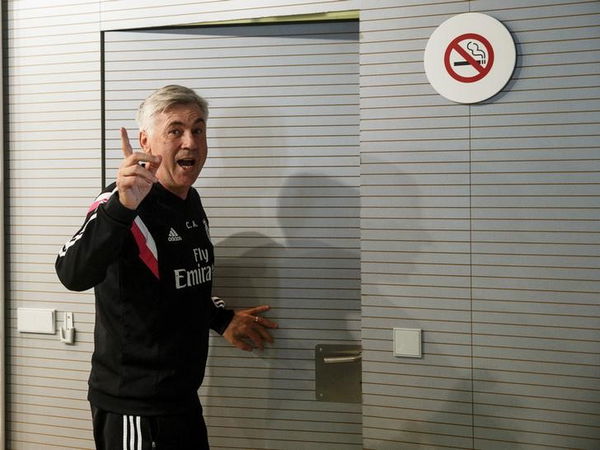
[{"x": 152, "y": 272}]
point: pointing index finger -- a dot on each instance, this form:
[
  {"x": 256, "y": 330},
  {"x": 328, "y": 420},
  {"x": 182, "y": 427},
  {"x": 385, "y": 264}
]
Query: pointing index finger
[{"x": 125, "y": 145}]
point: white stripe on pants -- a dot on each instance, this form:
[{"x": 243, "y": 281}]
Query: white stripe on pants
[{"x": 132, "y": 433}]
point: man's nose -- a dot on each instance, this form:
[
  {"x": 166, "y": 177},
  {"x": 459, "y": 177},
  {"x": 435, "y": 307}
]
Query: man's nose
[{"x": 188, "y": 140}]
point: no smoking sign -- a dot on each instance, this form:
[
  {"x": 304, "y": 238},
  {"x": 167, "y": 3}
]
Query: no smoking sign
[{"x": 469, "y": 58}]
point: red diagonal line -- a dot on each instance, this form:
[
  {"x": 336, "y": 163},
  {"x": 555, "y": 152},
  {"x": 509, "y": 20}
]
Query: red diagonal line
[{"x": 469, "y": 58}]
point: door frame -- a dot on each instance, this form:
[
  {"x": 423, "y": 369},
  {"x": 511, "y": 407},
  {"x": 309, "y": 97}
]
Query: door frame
[{"x": 105, "y": 46}]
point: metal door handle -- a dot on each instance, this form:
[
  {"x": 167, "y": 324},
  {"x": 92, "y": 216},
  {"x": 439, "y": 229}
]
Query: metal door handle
[{"x": 342, "y": 359}]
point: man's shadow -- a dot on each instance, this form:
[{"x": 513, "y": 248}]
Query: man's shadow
[{"x": 308, "y": 270}]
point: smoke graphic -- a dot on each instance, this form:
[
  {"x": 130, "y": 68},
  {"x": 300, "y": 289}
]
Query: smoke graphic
[{"x": 473, "y": 47}]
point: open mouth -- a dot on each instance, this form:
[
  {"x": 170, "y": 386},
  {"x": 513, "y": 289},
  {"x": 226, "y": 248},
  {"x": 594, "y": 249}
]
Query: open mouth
[{"x": 186, "y": 162}]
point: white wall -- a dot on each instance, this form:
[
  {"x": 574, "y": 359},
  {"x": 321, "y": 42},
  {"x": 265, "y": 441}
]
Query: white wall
[
  {"x": 480, "y": 227},
  {"x": 479, "y": 223}
]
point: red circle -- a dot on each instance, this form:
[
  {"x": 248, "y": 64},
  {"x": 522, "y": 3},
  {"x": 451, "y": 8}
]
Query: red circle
[{"x": 483, "y": 71}]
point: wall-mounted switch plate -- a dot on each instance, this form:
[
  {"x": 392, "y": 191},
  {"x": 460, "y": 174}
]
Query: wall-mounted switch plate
[
  {"x": 407, "y": 342},
  {"x": 36, "y": 320}
]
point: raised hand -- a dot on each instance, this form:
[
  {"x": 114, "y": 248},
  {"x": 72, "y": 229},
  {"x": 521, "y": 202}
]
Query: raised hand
[
  {"x": 135, "y": 180},
  {"x": 247, "y": 330}
]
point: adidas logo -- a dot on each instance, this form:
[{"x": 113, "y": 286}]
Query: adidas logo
[{"x": 173, "y": 236}]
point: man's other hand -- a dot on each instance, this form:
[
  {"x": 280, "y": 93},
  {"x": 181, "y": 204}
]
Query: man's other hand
[{"x": 248, "y": 330}]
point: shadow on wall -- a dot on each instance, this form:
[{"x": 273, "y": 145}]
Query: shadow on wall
[
  {"x": 308, "y": 270},
  {"x": 415, "y": 275},
  {"x": 457, "y": 422}
]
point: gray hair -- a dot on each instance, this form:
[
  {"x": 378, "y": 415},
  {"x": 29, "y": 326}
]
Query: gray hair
[{"x": 162, "y": 99}]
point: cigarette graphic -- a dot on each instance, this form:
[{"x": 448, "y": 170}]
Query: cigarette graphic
[{"x": 476, "y": 52}]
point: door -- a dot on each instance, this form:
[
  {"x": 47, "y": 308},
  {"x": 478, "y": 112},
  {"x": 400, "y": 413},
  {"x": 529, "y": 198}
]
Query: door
[{"x": 281, "y": 189}]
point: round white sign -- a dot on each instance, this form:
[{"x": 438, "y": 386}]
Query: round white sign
[{"x": 469, "y": 58}]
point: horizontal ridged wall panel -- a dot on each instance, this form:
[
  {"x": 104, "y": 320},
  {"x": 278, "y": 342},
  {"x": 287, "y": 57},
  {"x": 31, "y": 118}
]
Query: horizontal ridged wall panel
[
  {"x": 54, "y": 169},
  {"x": 280, "y": 188},
  {"x": 536, "y": 258},
  {"x": 509, "y": 185},
  {"x": 479, "y": 225},
  {"x": 415, "y": 236}
]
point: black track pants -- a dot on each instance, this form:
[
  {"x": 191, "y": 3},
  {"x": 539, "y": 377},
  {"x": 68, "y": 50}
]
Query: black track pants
[{"x": 123, "y": 432}]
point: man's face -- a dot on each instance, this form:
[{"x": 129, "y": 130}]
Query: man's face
[{"x": 179, "y": 137}]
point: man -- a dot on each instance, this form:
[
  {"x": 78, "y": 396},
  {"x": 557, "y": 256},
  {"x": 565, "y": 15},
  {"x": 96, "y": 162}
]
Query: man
[{"x": 145, "y": 248}]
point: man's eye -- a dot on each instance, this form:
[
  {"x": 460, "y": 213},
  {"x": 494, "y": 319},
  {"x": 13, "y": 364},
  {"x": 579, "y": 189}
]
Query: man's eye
[
  {"x": 198, "y": 131},
  {"x": 175, "y": 132}
]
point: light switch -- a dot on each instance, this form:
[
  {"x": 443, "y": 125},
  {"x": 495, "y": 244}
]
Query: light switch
[
  {"x": 36, "y": 320},
  {"x": 407, "y": 342}
]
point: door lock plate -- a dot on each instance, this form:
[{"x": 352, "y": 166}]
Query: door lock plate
[{"x": 338, "y": 373}]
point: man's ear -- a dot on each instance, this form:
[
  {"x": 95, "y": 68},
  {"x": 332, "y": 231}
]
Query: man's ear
[{"x": 144, "y": 141}]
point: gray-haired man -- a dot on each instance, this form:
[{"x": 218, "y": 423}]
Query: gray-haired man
[{"x": 145, "y": 248}]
